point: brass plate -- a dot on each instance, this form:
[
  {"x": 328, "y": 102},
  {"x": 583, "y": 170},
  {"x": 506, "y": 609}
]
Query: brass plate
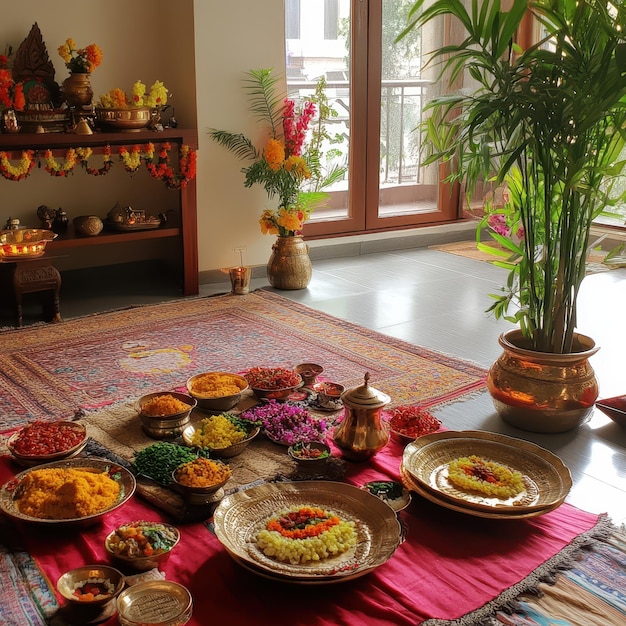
[
  {"x": 237, "y": 519},
  {"x": 547, "y": 481},
  {"x": 155, "y": 602},
  {"x": 412, "y": 485},
  {"x": 30, "y": 460},
  {"x": 10, "y": 491}
]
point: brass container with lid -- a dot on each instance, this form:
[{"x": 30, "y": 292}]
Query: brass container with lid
[{"x": 362, "y": 432}]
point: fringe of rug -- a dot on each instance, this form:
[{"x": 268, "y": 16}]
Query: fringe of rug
[{"x": 508, "y": 600}]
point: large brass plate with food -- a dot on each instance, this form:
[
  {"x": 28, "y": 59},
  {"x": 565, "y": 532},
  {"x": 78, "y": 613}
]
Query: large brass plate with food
[
  {"x": 412, "y": 485},
  {"x": 98, "y": 486},
  {"x": 367, "y": 530},
  {"x": 487, "y": 471}
]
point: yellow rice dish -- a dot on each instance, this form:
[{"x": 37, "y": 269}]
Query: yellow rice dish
[
  {"x": 489, "y": 478},
  {"x": 217, "y": 385},
  {"x": 59, "y": 493}
]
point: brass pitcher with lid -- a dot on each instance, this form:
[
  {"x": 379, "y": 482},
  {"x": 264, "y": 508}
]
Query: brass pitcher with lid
[{"x": 362, "y": 433}]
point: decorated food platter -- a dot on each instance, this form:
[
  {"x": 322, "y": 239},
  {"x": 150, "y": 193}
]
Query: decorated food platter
[
  {"x": 515, "y": 476},
  {"x": 14, "y": 492},
  {"x": 242, "y": 521},
  {"x": 412, "y": 485}
]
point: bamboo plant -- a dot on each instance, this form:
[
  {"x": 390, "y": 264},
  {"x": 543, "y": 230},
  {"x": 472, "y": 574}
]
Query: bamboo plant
[{"x": 547, "y": 122}]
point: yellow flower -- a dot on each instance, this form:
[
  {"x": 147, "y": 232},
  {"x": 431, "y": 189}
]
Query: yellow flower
[
  {"x": 290, "y": 220},
  {"x": 298, "y": 166},
  {"x": 274, "y": 154},
  {"x": 268, "y": 227}
]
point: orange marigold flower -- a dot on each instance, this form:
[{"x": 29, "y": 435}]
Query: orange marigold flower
[
  {"x": 274, "y": 153},
  {"x": 298, "y": 166}
]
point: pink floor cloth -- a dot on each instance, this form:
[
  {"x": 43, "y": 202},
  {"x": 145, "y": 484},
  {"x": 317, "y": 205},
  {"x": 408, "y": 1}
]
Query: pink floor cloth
[{"x": 451, "y": 564}]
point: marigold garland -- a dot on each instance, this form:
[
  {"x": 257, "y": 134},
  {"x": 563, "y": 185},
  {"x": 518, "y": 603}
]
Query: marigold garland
[
  {"x": 20, "y": 171},
  {"x": 107, "y": 161},
  {"x": 54, "y": 168},
  {"x": 131, "y": 161}
]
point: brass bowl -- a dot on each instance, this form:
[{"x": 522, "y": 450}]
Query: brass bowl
[
  {"x": 131, "y": 119},
  {"x": 275, "y": 394},
  {"x": 220, "y": 453},
  {"x": 309, "y": 372},
  {"x": 143, "y": 563},
  {"x": 165, "y": 426},
  {"x": 24, "y": 243},
  {"x": 76, "y": 578},
  {"x": 309, "y": 462},
  {"x": 30, "y": 460},
  {"x": 216, "y": 403},
  {"x": 198, "y": 495}
]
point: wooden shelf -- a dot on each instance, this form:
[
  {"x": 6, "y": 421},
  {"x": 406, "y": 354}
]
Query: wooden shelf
[{"x": 188, "y": 229}]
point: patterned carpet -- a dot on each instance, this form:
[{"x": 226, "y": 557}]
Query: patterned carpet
[{"x": 49, "y": 372}]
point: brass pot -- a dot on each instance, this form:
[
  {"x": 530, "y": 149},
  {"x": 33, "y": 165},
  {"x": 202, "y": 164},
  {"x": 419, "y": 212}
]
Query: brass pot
[
  {"x": 362, "y": 433},
  {"x": 76, "y": 89},
  {"x": 289, "y": 266},
  {"x": 88, "y": 225},
  {"x": 543, "y": 392}
]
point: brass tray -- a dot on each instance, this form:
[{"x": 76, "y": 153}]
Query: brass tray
[
  {"x": 10, "y": 491},
  {"x": 547, "y": 480},
  {"x": 236, "y": 521},
  {"x": 412, "y": 485}
]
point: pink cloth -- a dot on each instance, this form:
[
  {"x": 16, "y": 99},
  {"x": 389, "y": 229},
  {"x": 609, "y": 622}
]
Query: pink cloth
[{"x": 449, "y": 565}]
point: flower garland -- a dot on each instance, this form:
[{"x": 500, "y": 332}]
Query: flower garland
[
  {"x": 163, "y": 171},
  {"x": 107, "y": 161},
  {"x": 54, "y": 168},
  {"x": 20, "y": 171},
  {"x": 131, "y": 160}
]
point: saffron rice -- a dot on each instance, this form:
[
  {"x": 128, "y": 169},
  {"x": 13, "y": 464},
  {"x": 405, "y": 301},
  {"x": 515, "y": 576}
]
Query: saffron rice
[
  {"x": 59, "y": 493},
  {"x": 476, "y": 474}
]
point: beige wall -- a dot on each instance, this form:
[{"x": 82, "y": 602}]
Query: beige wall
[{"x": 201, "y": 51}]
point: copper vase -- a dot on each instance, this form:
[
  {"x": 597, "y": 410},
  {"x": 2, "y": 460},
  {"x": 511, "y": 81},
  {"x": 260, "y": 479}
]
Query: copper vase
[
  {"x": 543, "y": 392},
  {"x": 76, "y": 89},
  {"x": 362, "y": 433},
  {"x": 289, "y": 266}
]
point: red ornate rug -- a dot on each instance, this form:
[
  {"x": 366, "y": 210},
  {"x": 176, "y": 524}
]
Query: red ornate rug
[{"x": 49, "y": 372}]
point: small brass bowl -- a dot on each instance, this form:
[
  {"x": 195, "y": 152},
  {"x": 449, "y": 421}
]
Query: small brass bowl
[
  {"x": 309, "y": 372},
  {"x": 276, "y": 394},
  {"x": 79, "y": 577},
  {"x": 216, "y": 403},
  {"x": 303, "y": 454},
  {"x": 198, "y": 495},
  {"x": 143, "y": 563},
  {"x": 165, "y": 426},
  {"x": 220, "y": 453}
]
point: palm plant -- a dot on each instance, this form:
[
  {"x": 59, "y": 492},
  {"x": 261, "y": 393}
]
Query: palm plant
[{"x": 549, "y": 122}]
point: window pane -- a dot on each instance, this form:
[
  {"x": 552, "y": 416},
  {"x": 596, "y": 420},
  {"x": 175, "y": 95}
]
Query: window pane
[
  {"x": 405, "y": 187},
  {"x": 311, "y": 55}
]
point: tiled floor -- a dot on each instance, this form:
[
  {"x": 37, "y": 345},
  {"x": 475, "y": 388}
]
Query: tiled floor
[{"x": 437, "y": 300}]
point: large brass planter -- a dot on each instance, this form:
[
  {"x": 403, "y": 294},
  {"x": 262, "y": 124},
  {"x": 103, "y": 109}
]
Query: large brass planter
[
  {"x": 543, "y": 392},
  {"x": 289, "y": 266}
]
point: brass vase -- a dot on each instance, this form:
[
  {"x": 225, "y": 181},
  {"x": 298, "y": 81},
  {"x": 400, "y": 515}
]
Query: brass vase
[
  {"x": 543, "y": 392},
  {"x": 362, "y": 433},
  {"x": 76, "y": 89},
  {"x": 289, "y": 266}
]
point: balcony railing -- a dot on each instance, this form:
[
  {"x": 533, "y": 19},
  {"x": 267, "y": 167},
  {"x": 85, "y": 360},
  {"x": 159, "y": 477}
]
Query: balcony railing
[{"x": 402, "y": 104}]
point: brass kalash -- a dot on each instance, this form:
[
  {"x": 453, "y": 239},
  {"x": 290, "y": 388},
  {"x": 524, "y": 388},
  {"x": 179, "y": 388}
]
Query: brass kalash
[{"x": 362, "y": 433}]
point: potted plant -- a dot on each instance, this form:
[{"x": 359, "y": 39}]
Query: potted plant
[
  {"x": 290, "y": 166},
  {"x": 548, "y": 123}
]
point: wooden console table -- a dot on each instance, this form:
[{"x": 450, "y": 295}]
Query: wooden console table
[{"x": 185, "y": 229}]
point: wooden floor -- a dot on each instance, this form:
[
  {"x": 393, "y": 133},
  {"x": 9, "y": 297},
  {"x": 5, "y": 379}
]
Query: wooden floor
[{"x": 436, "y": 300}]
